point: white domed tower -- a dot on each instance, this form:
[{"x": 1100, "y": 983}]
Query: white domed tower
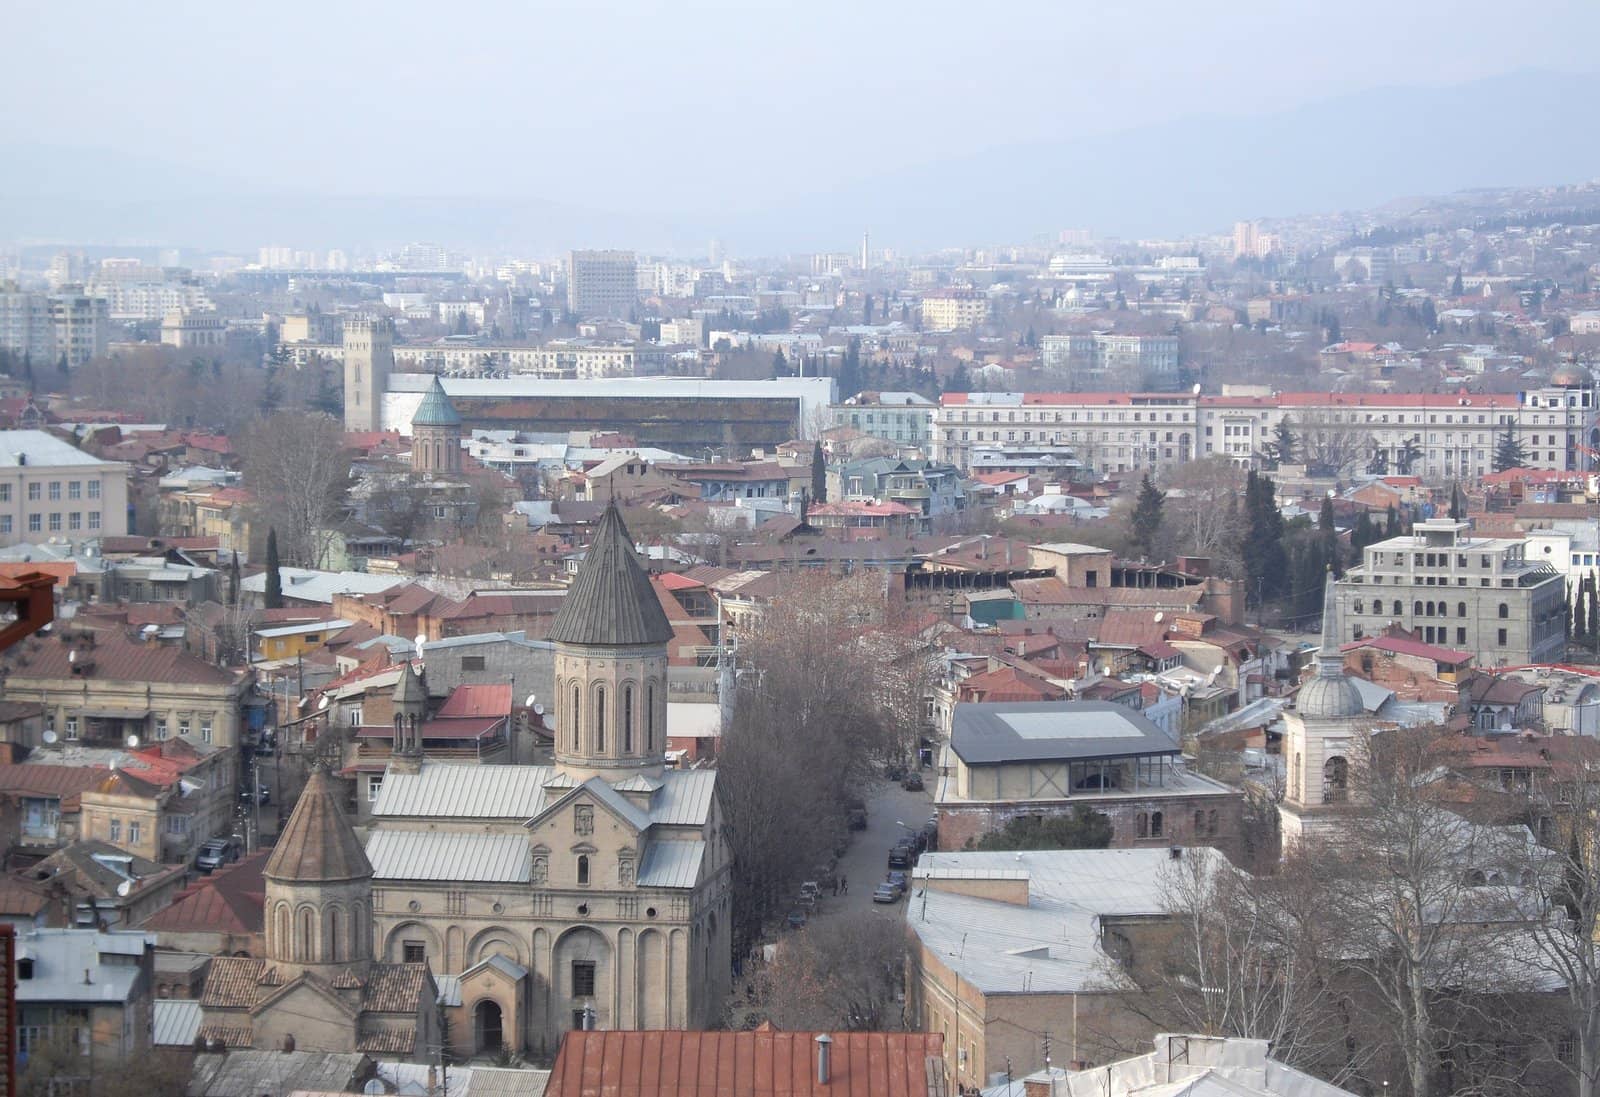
[
  {"x": 611, "y": 664},
  {"x": 318, "y": 907},
  {"x": 1320, "y": 735}
]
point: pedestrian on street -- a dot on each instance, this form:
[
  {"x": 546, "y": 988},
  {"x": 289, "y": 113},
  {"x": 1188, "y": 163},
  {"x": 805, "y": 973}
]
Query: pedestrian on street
[{"x": 844, "y": 885}]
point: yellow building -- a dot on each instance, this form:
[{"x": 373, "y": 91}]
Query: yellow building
[
  {"x": 291, "y": 641},
  {"x": 952, "y": 309}
]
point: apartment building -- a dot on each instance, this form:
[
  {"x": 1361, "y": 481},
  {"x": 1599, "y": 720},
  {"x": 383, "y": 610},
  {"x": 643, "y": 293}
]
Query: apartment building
[
  {"x": 602, "y": 283},
  {"x": 189, "y": 329},
  {"x": 1476, "y": 594},
  {"x": 46, "y": 326},
  {"x": 1102, "y": 359},
  {"x": 25, "y": 324},
  {"x": 133, "y": 291},
  {"x": 1437, "y": 436},
  {"x": 49, "y": 488},
  {"x": 952, "y": 309},
  {"x": 904, "y": 418},
  {"x": 82, "y": 325}
]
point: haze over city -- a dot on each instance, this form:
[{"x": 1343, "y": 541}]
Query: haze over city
[{"x": 753, "y": 550}]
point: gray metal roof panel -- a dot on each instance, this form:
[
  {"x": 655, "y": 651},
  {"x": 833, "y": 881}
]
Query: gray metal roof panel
[
  {"x": 175, "y": 1021},
  {"x": 611, "y": 600},
  {"x": 671, "y": 864},
  {"x": 1053, "y": 731},
  {"x": 684, "y": 798},
  {"x": 460, "y": 791},
  {"x": 448, "y": 855}
]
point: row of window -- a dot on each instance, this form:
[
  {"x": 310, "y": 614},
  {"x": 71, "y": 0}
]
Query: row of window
[
  {"x": 625, "y": 718},
  {"x": 36, "y": 522},
  {"x": 75, "y": 490},
  {"x": 1422, "y": 609},
  {"x": 183, "y": 726}
]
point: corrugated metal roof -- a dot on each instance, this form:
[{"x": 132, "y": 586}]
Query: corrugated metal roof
[
  {"x": 685, "y": 798},
  {"x": 505, "y": 1082},
  {"x": 671, "y": 864},
  {"x": 175, "y": 1022},
  {"x": 437, "y": 855},
  {"x": 471, "y": 792}
]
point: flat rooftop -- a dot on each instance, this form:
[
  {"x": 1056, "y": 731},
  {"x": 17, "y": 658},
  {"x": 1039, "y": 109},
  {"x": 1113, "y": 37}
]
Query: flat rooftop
[{"x": 1037, "y": 731}]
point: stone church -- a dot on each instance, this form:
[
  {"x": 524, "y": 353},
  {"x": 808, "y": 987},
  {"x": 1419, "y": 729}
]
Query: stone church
[
  {"x": 591, "y": 892},
  {"x": 1321, "y": 735}
]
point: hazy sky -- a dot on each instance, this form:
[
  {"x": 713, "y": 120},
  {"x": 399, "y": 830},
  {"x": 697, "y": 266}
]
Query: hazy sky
[{"x": 648, "y": 106}]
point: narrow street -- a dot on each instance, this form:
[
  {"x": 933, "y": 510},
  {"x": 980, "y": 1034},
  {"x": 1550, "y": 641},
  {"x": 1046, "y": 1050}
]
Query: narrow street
[{"x": 865, "y": 863}]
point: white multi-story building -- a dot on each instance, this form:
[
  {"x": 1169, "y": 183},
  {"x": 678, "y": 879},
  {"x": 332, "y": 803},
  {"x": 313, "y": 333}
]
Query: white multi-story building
[
  {"x": 1438, "y": 436},
  {"x": 46, "y": 326},
  {"x": 904, "y": 418},
  {"x": 51, "y": 489},
  {"x": 188, "y": 330},
  {"x": 1099, "y": 359},
  {"x": 25, "y": 325},
  {"x": 136, "y": 292},
  {"x": 950, "y": 309}
]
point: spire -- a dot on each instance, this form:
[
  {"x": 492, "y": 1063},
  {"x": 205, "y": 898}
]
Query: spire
[
  {"x": 1330, "y": 620},
  {"x": 317, "y": 844},
  {"x": 436, "y": 410},
  {"x": 611, "y": 601},
  {"x": 408, "y": 688}
]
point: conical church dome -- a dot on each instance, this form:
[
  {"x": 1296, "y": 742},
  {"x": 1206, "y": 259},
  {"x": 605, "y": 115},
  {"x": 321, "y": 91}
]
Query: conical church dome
[
  {"x": 611, "y": 601},
  {"x": 317, "y": 844}
]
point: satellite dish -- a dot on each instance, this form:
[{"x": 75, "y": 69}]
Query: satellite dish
[
  {"x": 532, "y": 697},
  {"x": 538, "y": 710},
  {"x": 49, "y": 737},
  {"x": 322, "y": 703},
  {"x": 1197, "y": 388},
  {"x": 124, "y": 888},
  {"x": 1160, "y": 617},
  {"x": 133, "y": 741},
  {"x": 72, "y": 657},
  {"x": 373, "y": 1087}
]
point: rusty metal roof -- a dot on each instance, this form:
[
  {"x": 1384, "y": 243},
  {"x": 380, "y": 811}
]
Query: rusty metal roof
[{"x": 734, "y": 1064}]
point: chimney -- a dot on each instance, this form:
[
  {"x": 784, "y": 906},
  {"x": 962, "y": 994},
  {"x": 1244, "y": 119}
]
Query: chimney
[{"x": 824, "y": 1055}]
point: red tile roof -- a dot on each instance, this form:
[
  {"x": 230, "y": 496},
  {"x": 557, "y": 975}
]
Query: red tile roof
[
  {"x": 230, "y": 900},
  {"x": 1400, "y": 645},
  {"x": 762, "y": 1062},
  {"x": 477, "y": 700}
]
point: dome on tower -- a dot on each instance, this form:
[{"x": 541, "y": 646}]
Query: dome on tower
[
  {"x": 1567, "y": 378},
  {"x": 436, "y": 410},
  {"x": 317, "y": 844},
  {"x": 1330, "y": 695},
  {"x": 611, "y": 601}
]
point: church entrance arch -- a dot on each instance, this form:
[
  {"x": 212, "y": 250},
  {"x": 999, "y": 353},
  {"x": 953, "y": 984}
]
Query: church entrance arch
[{"x": 487, "y": 1037}]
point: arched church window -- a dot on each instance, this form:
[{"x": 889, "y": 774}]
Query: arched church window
[
  {"x": 1335, "y": 780},
  {"x": 583, "y": 868},
  {"x": 627, "y": 719},
  {"x": 650, "y": 717},
  {"x": 600, "y": 720}
]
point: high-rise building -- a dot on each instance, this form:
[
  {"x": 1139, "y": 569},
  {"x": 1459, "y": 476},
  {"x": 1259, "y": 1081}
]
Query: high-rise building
[
  {"x": 368, "y": 361},
  {"x": 25, "y": 325},
  {"x": 602, "y": 283},
  {"x": 46, "y": 326}
]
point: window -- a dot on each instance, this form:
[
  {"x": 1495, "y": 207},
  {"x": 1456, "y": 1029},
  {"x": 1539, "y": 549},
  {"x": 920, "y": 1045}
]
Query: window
[
  {"x": 627, "y": 719},
  {"x": 5, "y": 523},
  {"x": 1505, "y": 611},
  {"x": 583, "y": 869},
  {"x": 1461, "y": 636},
  {"x": 575, "y": 717},
  {"x": 374, "y": 786},
  {"x": 1501, "y": 638},
  {"x": 205, "y": 729},
  {"x": 33, "y": 493},
  {"x": 55, "y": 491},
  {"x": 413, "y": 952},
  {"x": 650, "y": 717},
  {"x": 115, "y": 830},
  {"x": 600, "y": 720},
  {"x": 55, "y": 521},
  {"x": 72, "y": 727},
  {"x": 75, "y": 520},
  {"x": 472, "y": 662},
  {"x": 177, "y": 824},
  {"x": 133, "y": 832},
  {"x": 35, "y": 523},
  {"x": 94, "y": 519},
  {"x": 583, "y": 978},
  {"x": 74, "y": 489},
  {"x": 5, "y": 493},
  {"x": 1461, "y": 609},
  {"x": 1155, "y": 824},
  {"x": 183, "y": 725}
]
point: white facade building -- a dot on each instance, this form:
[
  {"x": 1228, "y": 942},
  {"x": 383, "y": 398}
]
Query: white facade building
[{"x": 51, "y": 489}]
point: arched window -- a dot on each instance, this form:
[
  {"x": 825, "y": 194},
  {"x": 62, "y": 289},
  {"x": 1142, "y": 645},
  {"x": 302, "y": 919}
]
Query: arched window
[
  {"x": 1335, "y": 780},
  {"x": 650, "y": 717},
  {"x": 583, "y": 868},
  {"x": 1430, "y": 609},
  {"x": 1505, "y": 610},
  {"x": 1461, "y": 609},
  {"x": 1211, "y": 822},
  {"x": 1155, "y": 824},
  {"x": 330, "y": 950},
  {"x": 600, "y": 719},
  {"x": 627, "y": 719},
  {"x": 1142, "y": 824},
  {"x": 282, "y": 949},
  {"x": 1399, "y": 608},
  {"x": 575, "y": 722},
  {"x": 308, "y": 931},
  {"x": 1359, "y": 607},
  {"x": 1199, "y": 822},
  {"x": 1416, "y": 609}
]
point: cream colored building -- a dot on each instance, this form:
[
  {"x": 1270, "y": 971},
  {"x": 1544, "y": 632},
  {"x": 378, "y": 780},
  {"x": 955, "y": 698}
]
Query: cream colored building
[
  {"x": 368, "y": 361},
  {"x": 599, "y": 885},
  {"x": 951, "y": 309},
  {"x": 194, "y": 329},
  {"x": 49, "y": 488}
]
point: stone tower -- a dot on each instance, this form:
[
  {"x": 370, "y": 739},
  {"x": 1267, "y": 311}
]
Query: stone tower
[
  {"x": 1320, "y": 737},
  {"x": 436, "y": 434},
  {"x": 368, "y": 361},
  {"x": 318, "y": 889},
  {"x": 611, "y": 664},
  {"x": 410, "y": 701}
]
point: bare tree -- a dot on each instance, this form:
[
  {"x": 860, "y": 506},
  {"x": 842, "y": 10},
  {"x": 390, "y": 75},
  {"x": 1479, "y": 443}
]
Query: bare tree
[
  {"x": 1201, "y": 511},
  {"x": 299, "y": 470},
  {"x": 1332, "y": 445},
  {"x": 842, "y": 973}
]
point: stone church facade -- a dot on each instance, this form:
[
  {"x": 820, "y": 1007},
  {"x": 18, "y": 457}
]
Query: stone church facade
[{"x": 591, "y": 892}]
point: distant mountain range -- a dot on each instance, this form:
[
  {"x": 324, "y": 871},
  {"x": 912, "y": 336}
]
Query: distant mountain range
[{"x": 1197, "y": 175}]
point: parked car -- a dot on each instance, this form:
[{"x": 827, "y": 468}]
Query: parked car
[
  {"x": 796, "y": 919},
  {"x": 885, "y": 893},
  {"x": 263, "y": 794},
  {"x": 810, "y": 889},
  {"x": 216, "y": 853},
  {"x": 898, "y": 880},
  {"x": 900, "y": 857},
  {"x": 912, "y": 781}
]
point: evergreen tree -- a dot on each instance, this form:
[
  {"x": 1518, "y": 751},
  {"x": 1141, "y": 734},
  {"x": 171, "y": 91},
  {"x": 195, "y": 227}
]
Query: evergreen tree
[
  {"x": 1328, "y": 536},
  {"x": 1508, "y": 451},
  {"x": 273, "y": 599},
  {"x": 1362, "y": 534},
  {"x": 233, "y": 580},
  {"x": 1146, "y": 519},
  {"x": 1430, "y": 315},
  {"x": 1456, "y": 288},
  {"x": 62, "y": 367},
  {"x": 1566, "y": 616},
  {"x": 1593, "y": 626},
  {"x": 780, "y": 364},
  {"x": 1265, "y": 563},
  {"x": 959, "y": 381},
  {"x": 866, "y": 310},
  {"x": 1391, "y": 523},
  {"x": 850, "y": 369},
  {"x": 1457, "y": 511},
  {"x": 1283, "y": 442},
  {"x": 819, "y": 475}
]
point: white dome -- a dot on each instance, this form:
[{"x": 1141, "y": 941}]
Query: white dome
[{"x": 1328, "y": 698}]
